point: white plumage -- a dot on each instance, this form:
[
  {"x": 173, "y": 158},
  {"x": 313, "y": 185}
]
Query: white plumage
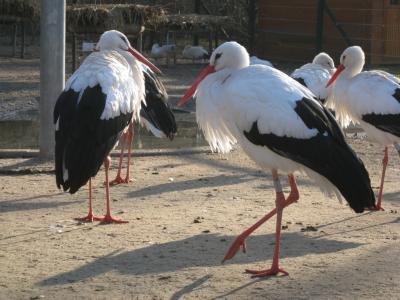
[
  {"x": 194, "y": 52},
  {"x": 120, "y": 78},
  {"x": 254, "y": 60},
  {"x": 163, "y": 51},
  {"x": 369, "y": 98},
  {"x": 100, "y": 101},
  {"x": 316, "y": 75},
  {"x": 356, "y": 93},
  {"x": 281, "y": 127}
]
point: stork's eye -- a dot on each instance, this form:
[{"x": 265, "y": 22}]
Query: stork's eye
[
  {"x": 218, "y": 55},
  {"x": 124, "y": 39},
  {"x": 344, "y": 57}
]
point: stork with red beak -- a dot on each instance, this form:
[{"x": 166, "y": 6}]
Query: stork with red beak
[
  {"x": 370, "y": 98},
  {"x": 100, "y": 101},
  {"x": 280, "y": 126}
]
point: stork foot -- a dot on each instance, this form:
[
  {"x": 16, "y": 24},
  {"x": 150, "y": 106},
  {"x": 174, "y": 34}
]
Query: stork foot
[
  {"x": 376, "y": 208},
  {"x": 89, "y": 218},
  {"x": 108, "y": 219},
  {"x": 240, "y": 242},
  {"x": 267, "y": 272},
  {"x": 119, "y": 180}
]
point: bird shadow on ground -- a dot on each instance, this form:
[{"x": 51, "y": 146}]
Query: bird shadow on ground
[
  {"x": 195, "y": 285},
  {"x": 28, "y": 166},
  {"x": 203, "y": 250},
  {"x": 192, "y": 184},
  {"x": 34, "y": 202},
  {"x": 7, "y": 86},
  {"x": 392, "y": 197},
  {"x": 256, "y": 171}
]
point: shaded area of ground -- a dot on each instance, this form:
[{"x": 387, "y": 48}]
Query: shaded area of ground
[{"x": 184, "y": 211}]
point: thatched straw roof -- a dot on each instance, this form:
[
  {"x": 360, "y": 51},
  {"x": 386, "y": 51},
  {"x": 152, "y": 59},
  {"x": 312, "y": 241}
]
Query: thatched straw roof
[
  {"x": 27, "y": 9},
  {"x": 110, "y": 16},
  {"x": 197, "y": 22}
]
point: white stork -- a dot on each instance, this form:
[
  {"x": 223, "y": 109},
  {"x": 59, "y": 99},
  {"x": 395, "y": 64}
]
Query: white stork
[
  {"x": 281, "y": 127},
  {"x": 155, "y": 115},
  {"x": 254, "y": 60},
  {"x": 100, "y": 100},
  {"x": 370, "y": 98},
  {"x": 316, "y": 75},
  {"x": 195, "y": 52}
]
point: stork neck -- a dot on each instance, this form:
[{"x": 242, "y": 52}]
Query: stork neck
[{"x": 350, "y": 72}]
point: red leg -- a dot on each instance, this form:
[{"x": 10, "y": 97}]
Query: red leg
[
  {"x": 240, "y": 241},
  {"x": 129, "y": 140},
  {"x": 108, "y": 218},
  {"x": 90, "y": 217},
  {"x": 274, "y": 270},
  {"x": 384, "y": 164},
  {"x": 118, "y": 179}
]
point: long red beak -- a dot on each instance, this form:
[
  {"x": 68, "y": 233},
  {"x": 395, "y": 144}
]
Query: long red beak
[
  {"x": 144, "y": 60},
  {"x": 193, "y": 88},
  {"x": 335, "y": 75}
]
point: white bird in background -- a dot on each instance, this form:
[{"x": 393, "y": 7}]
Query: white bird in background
[
  {"x": 100, "y": 100},
  {"x": 370, "y": 98},
  {"x": 316, "y": 75},
  {"x": 195, "y": 52},
  {"x": 163, "y": 51},
  {"x": 281, "y": 127},
  {"x": 155, "y": 115},
  {"x": 254, "y": 60}
]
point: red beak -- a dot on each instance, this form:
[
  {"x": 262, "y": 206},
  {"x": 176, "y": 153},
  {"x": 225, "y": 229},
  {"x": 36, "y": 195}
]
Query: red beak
[
  {"x": 193, "y": 88},
  {"x": 144, "y": 60},
  {"x": 335, "y": 75}
]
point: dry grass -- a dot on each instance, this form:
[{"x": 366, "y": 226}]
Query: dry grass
[
  {"x": 113, "y": 16},
  {"x": 20, "y": 8}
]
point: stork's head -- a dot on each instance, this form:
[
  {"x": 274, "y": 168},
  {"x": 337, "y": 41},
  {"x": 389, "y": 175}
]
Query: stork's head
[
  {"x": 324, "y": 60},
  {"x": 352, "y": 60},
  {"x": 115, "y": 40},
  {"x": 229, "y": 55}
]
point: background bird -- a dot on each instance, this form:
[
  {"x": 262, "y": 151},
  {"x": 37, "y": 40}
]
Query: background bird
[
  {"x": 195, "y": 52},
  {"x": 155, "y": 115},
  {"x": 100, "y": 100},
  {"x": 281, "y": 127},
  {"x": 369, "y": 98},
  {"x": 163, "y": 51},
  {"x": 316, "y": 75}
]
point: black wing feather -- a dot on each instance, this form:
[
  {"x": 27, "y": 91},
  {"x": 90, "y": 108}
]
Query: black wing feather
[
  {"x": 157, "y": 110},
  {"x": 83, "y": 140},
  {"x": 386, "y": 122},
  {"x": 327, "y": 153}
]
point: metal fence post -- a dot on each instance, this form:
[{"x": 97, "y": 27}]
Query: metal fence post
[
  {"x": 52, "y": 69},
  {"x": 252, "y": 14},
  {"x": 320, "y": 26}
]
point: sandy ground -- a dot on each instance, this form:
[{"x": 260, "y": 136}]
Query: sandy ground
[{"x": 184, "y": 211}]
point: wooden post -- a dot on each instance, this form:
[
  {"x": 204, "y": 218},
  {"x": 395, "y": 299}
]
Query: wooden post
[
  {"x": 73, "y": 50},
  {"x": 210, "y": 41},
  {"x": 140, "y": 42},
  {"x": 15, "y": 27},
  {"x": 197, "y": 4},
  {"x": 22, "y": 39},
  {"x": 319, "y": 32},
  {"x": 52, "y": 69},
  {"x": 252, "y": 25},
  {"x": 377, "y": 48}
]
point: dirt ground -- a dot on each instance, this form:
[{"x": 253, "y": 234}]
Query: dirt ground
[{"x": 184, "y": 210}]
